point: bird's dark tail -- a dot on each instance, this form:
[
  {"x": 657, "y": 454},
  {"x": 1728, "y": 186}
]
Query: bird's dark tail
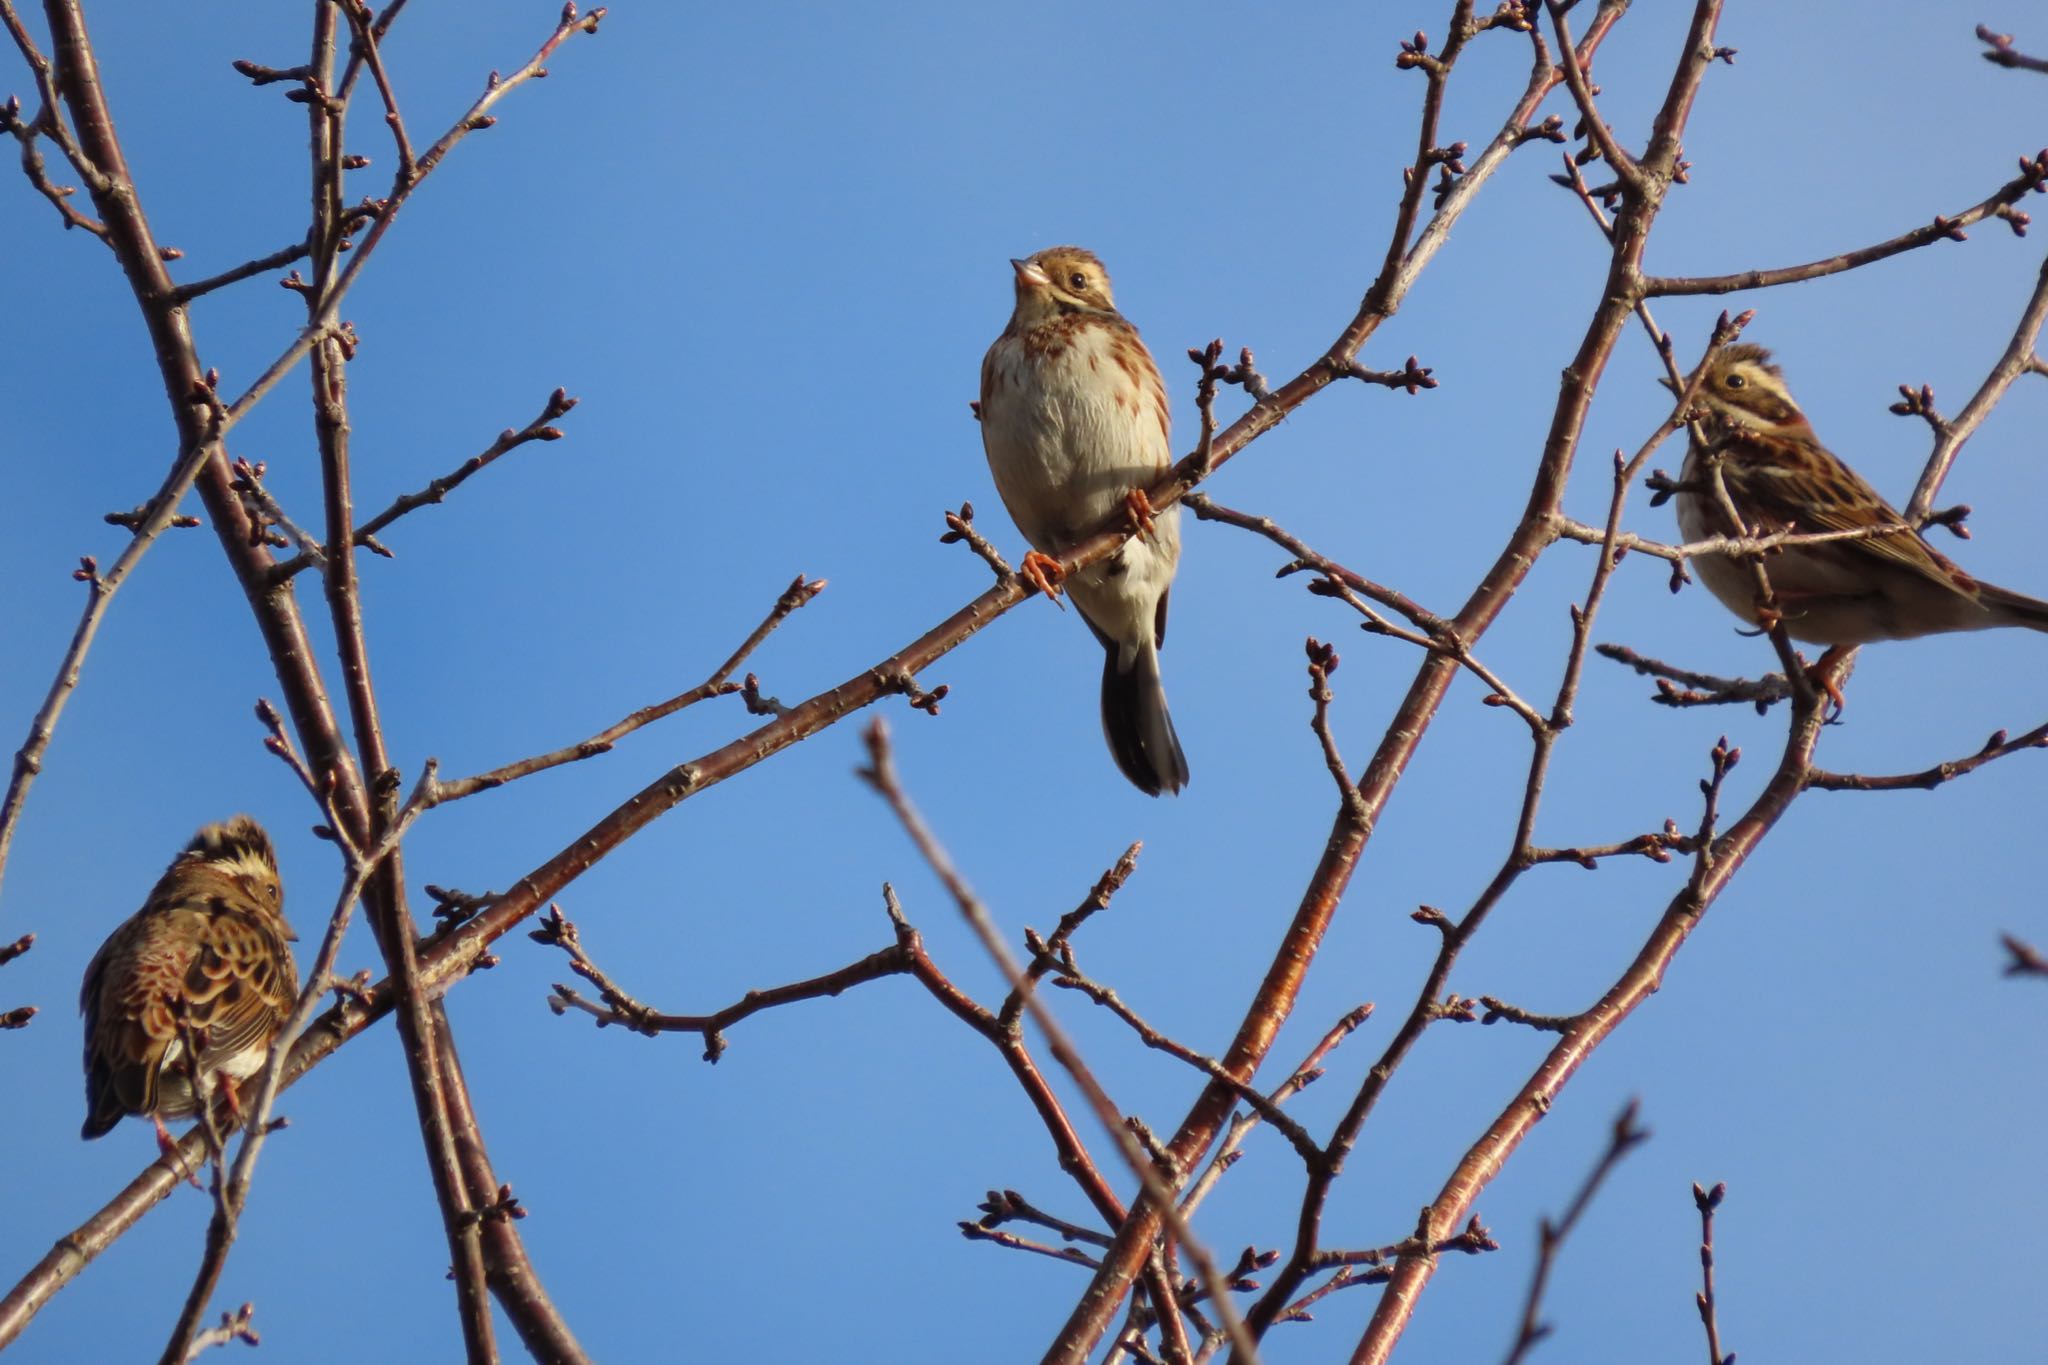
[
  {"x": 1136, "y": 723},
  {"x": 103, "y": 1106}
]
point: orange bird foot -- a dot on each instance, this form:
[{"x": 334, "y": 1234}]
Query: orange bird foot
[
  {"x": 1042, "y": 572},
  {"x": 1138, "y": 513},
  {"x": 1827, "y": 676},
  {"x": 230, "y": 1101},
  {"x": 168, "y": 1145}
]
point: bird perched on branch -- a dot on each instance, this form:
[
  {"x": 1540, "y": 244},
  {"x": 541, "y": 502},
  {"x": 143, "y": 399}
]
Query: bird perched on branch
[
  {"x": 1074, "y": 421},
  {"x": 1887, "y": 585},
  {"x": 205, "y": 964}
]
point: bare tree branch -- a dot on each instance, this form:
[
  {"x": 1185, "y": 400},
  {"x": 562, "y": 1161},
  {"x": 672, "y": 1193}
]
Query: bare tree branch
[
  {"x": 1708, "y": 1201},
  {"x": 1621, "y": 1140}
]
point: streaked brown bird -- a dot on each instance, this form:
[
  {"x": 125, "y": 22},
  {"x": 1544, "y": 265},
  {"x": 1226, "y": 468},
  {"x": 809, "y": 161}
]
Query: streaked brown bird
[
  {"x": 1074, "y": 422},
  {"x": 1780, "y": 478},
  {"x": 207, "y": 957}
]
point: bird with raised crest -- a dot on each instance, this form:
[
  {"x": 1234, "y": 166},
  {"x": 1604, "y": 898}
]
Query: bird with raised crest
[
  {"x": 1075, "y": 425},
  {"x": 1889, "y": 584},
  {"x": 205, "y": 964}
]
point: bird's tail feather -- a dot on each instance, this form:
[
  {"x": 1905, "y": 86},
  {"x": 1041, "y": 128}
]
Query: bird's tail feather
[
  {"x": 1136, "y": 723},
  {"x": 2017, "y": 608}
]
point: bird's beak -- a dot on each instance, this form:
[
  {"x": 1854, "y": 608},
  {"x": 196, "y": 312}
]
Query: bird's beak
[
  {"x": 1665, "y": 380},
  {"x": 1029, "y": 273}
]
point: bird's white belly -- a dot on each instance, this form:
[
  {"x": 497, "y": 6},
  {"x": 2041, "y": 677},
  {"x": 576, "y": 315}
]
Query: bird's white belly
[{"x": 1068, "y": 436}]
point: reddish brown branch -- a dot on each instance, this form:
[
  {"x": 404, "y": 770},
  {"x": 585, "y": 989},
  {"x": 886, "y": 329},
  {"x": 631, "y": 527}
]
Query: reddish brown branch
[
  {"x": 2030, "y": 180},
  {"x": 1927, "y": 779},
  {"x": 1685, "y": 687},
  {"x": 618, "y": 1007}
]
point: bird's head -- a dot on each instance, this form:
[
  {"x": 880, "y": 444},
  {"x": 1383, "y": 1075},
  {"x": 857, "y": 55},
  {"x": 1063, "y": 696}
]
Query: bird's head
[
  {"x": 238, "y": 848},
  {"x": 1743, "y": 391},
  {"x": 1061, "y": 279}
]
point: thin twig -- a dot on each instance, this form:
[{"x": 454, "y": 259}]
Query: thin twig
[
  {"x": 2003, "y": 53},
  {"x": 236, "y": 1326},
  {"x": 1927, "y": 779},
  {"x": 1707, "y": 1201},
  {"x": 539, "y": 429},
  {"x": 881, "y": 774},
  {"x": 718, "y": 684},
  {"x": 1047, "y": 954},
  {"x": 2019, "y": 358},
  {"x": 618, "y": 1007},
  {"x": 2030, "y": 180},
  {"x": 2025, "y": 958},
  {"x": 1004, "y": 1206},
  {"x": 365, "y": 48},
  {"x": 960, "y": 527},
  {"x": 1623, "y": 1138},
  {"x": 1686, "y": 687},
  {"x": 156, "y": 517}
]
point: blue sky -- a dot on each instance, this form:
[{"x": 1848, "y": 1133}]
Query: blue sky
[{"x": 766, "y": 246}]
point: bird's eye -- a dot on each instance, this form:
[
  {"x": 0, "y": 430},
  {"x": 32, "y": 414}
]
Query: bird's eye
[
  {"x": 1736, "y": 381},
  {"x": 1078, "y": 279}
]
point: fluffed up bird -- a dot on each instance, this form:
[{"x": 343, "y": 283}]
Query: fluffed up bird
[
  {"x": 1780, "y": 478},
  {"x": 207, "y": 957},
  {"x": 1074, "y": 421}
]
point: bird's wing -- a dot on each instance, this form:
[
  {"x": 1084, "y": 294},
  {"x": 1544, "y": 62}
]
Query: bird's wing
[
  {"x": 1782, "y": 484},
  {"x": 240, "y": 985}
]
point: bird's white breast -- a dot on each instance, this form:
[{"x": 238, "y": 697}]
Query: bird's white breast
[{"x": 1070, "y": 427}]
